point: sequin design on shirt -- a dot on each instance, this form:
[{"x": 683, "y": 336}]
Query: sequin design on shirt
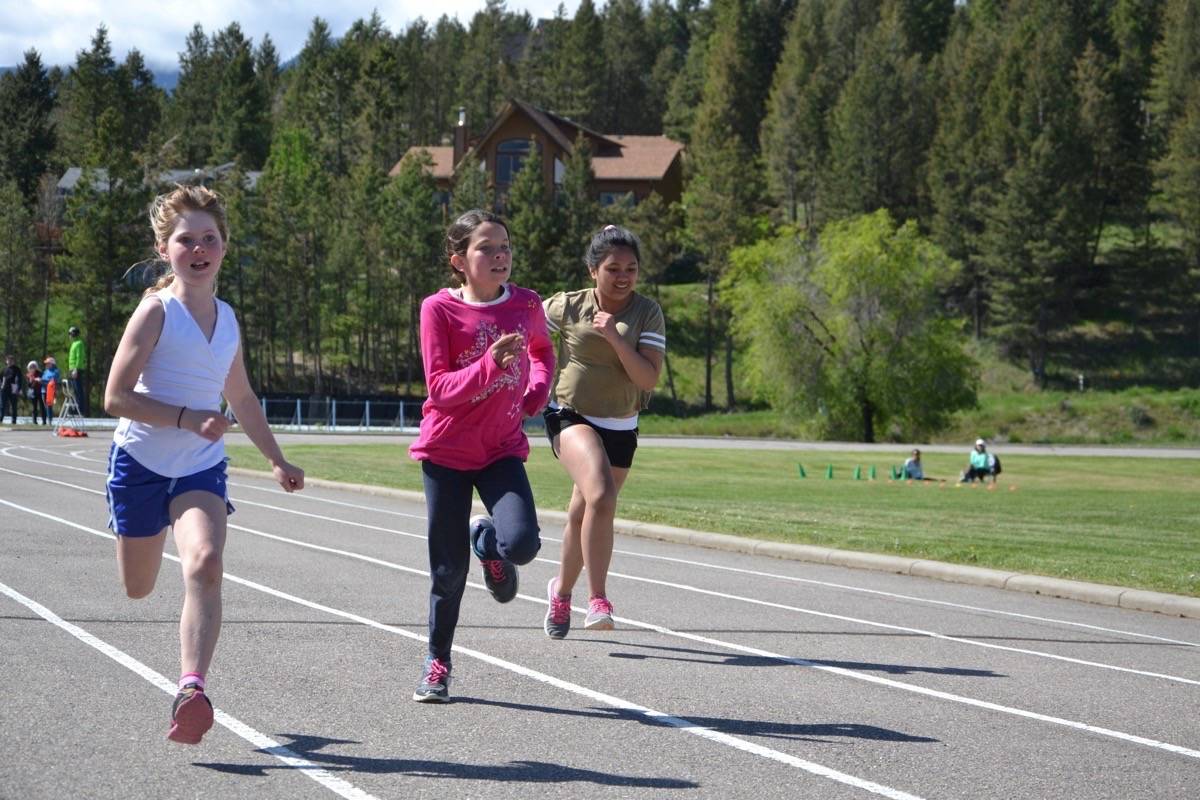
[{"x": 510, "y": 378}]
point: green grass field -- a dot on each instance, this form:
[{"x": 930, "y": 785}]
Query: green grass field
[{"x": 1123, "y": 521}]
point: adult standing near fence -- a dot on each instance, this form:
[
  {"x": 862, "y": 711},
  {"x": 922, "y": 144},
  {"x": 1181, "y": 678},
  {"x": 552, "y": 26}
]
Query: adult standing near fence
[
  {"x": 77, "y": 369},
  {"x": 10, "y": 387},
  {"x": 611, "y": 346}
]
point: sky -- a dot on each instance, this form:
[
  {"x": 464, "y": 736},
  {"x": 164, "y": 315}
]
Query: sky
[{"x": 59, "y": 29}]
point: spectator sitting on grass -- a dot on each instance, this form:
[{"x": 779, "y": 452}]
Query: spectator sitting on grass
[
  {"x": 913, "y": 470},
  {"x": 981, "y": 464}
]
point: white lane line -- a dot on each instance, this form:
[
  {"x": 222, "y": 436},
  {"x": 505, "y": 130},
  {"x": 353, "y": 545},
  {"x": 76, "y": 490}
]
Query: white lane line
[
  {"x": 707, "y": 592},
  {"x": 841, "y": 671},
  {"x": 319, "y": 774},
  {"x": 726, "y": 568},
  {"x": 679, "y": 723}
]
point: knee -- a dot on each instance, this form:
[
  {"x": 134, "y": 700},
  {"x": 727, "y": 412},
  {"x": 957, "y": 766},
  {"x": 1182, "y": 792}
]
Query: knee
[
  {"x": 602, "y": 498},
  {"x": 523, "y": 548},
  {"x": 204, "y": 567}
]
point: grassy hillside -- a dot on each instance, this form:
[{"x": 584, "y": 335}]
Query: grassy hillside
[{"x": 1011, "y": 407}]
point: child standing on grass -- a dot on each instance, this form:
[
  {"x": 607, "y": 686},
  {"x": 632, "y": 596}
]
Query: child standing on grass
[
  {"x": 488, "y": 361},
  {"x": 611, "y": 346},
  {"x": 180, "y": 352}
]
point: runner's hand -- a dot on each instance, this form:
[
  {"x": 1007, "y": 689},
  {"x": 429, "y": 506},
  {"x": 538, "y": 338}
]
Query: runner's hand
[
  {"x": 290, "y": 477},
  {"x": 210, "y": 425},
  {"x": 507, "y": 349}
]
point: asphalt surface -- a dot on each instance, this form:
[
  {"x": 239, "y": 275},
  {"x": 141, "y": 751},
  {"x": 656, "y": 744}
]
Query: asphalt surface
[{"x": 729, "y": 675}]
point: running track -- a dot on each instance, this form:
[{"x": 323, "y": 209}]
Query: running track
[{"x": 728, "y": 676}]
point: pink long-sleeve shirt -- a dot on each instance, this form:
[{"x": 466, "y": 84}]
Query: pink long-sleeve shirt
[{"x": 474, "y": 411}]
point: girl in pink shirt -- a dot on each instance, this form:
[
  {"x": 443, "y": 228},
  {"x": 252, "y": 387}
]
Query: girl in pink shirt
[{"x": 488, "y": 363}]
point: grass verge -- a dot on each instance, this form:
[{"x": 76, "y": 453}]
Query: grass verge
[{"x": 1126, "y": 522}]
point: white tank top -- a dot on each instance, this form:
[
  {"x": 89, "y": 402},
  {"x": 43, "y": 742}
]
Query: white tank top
[{"x": 185, "y": 369}]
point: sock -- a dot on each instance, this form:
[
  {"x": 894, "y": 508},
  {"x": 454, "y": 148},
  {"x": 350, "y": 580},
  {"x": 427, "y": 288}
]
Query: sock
[{"x": 191, "y": 677}]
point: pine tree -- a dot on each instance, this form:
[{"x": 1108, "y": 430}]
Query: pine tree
[
  {"x": 687, "y": 86},
  {"x": 297, "y": 211},
  {"x": 880, "y": 129},
  {"x": 1036, "y": 235},
  {"x": 190, "y": 110},
  {"x": 241, "y": 128},
  {"x": 582, "y": 72},
  {"x": 580, "y": 219},
  {"x": 668, "y": 36},
  {"x": 537, "y": 73},
  {"x": 88, "y": 90},
  {"x": 1176, "y": 64},
  {"x": 487, "y": 62},
  {"x": 18, "y": 280},
  {"x": 795, "y": 137},
  {"x": 471, "y": 189},
  {"x": 106, "y": 232},
  {"x": 413, "y": 237},
  {"x": 244, "y": 256},
  {"x": 534, "y": 224},
  {"x": 27, "y": 136},
  {"x": 266, "y": 70},
  {"x": 722, "y": 197},
  {"x": 433, "y": 84},
  {"x": 961, "y": 177},
  {"x": 628, "y": 61}
]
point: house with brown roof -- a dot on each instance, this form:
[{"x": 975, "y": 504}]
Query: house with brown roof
[{"x": 622, "y": 165}]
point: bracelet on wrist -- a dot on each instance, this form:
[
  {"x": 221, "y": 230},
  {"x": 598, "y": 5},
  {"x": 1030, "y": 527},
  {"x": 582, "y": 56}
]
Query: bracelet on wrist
[{"x": 179, "y": 419}]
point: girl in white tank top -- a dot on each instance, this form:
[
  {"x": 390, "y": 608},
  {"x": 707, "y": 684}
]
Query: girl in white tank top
[{"x": 179, "y": 354}]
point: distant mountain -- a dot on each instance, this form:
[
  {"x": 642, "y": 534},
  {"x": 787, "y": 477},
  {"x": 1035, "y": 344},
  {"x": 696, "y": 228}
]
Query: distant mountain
[{"x": 165, "y": 79}]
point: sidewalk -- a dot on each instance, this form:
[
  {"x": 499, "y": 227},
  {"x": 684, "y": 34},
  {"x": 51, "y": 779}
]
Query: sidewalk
[{"x": 1098, "y": 593}]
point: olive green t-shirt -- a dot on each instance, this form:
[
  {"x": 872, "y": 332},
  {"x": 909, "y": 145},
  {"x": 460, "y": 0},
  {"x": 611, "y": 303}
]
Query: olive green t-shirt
[{"x": 591, "y": 378}]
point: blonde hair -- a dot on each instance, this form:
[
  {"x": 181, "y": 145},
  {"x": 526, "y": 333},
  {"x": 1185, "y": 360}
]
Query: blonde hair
[{"x": 166, "y": 210}]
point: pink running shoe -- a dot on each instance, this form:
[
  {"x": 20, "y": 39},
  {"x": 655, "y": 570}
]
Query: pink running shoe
[
  {"x": 191, "y": 716},
  {"x": 599, "y": 616},
  {"x": 558, "y": 615}
]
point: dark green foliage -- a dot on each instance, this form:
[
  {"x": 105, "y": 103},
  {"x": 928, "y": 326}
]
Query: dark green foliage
[
  {"x": 852, "y": 331},
  {"x": 19, "y": 284},
  {"x": 534, "y": 225},
  {"x": 26, "y": 129},
  {"x": 880, "y": 129},
  {"x": 1049, "y": 148}
]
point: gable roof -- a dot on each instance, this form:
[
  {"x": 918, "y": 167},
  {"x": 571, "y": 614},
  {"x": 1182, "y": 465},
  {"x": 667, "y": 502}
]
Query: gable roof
[
  {"x": 619, "y": 157},
  {"x": 443, "y": 161},
  {"x": 642, "y": 158}
]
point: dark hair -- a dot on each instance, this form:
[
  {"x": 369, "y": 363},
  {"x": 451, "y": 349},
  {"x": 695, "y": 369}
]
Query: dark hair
[
  {"x": 608, "y": 239},
  {"x": 459, "y": 236}
]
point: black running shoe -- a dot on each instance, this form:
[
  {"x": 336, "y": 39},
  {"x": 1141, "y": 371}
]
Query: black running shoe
[
  {"x": 435, "y": 682},
  {"x": 499, "y": 576}
]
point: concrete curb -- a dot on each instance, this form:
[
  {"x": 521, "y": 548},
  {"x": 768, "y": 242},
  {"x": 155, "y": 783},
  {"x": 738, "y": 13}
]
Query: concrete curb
[{"x": 1136, "y": 599}]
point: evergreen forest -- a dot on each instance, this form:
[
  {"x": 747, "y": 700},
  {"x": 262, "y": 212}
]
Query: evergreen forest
[{"x": 876, "y": 191}]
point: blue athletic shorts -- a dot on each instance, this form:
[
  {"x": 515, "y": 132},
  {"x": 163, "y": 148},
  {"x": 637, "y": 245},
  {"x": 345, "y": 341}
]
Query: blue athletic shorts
[{"x": 139, "y": 501}]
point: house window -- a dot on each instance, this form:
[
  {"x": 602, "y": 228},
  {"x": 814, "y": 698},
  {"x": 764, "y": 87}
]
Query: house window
[
  {"x": 617, "y": 198},
  {"x": 510, "y": 155}
]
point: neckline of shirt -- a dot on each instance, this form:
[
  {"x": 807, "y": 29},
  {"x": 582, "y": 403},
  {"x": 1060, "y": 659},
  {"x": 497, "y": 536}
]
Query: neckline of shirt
[{"x": 505, "y": 292}]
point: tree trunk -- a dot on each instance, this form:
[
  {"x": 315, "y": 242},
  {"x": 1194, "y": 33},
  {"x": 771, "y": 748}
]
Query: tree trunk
[
  {"x": 708, "y": 346},
  {"x": 868, "y": 420},
  {"x": 730, "y": 399}
]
